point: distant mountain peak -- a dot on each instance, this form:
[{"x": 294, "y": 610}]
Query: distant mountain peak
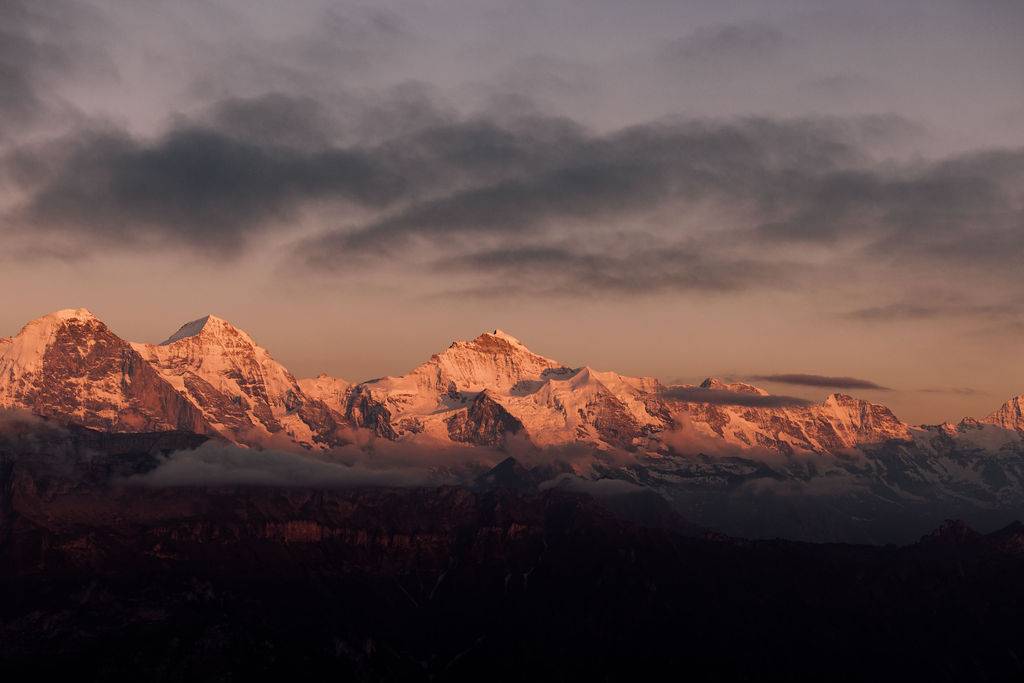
[
  {"x": 495, "y": 341},
  {"x": 46, "y": 324},
  {"x": 495, "y": 360},
  {"x": 24, "y": 352},
  {"x": 501, "y": 334},
  {"x": 1009, "y": 416},
  {"x": 243, "y": 392},
  {"x": 69, "y": 365},
  {"x": 208, "y": 324},
  {"x": 71, "y": 314},
  {"x": 735, "y": 387}
]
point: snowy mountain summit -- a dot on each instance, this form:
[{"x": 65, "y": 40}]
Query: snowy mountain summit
[
  {"x": 243, "y": 393},
  {"x": 69, "y": 365},
  {"x": 211, "y": 377}
]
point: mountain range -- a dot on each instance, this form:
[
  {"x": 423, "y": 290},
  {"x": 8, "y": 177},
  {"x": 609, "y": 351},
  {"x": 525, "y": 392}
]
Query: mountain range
[
  {"x": 700, "y": 446},
  {"x": 211, "y": 377}
]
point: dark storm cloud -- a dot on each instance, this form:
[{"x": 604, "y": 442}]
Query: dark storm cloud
[
  {"x": 392, "y": 118},
  {"x": 42, "y": 43},
  {"x": 604, "y": 212},
  {"x": 968, "y": 208},
  {"x": 812, "y": 180},
  {"x": 217, "y": 183},
  {"x": 732, "y": 398},
  {"x": 805, "y": 380},
  {"x": 194, "y": 186},
  {"x": 298, "y": 122},
  {"x": 609, "y": 178}
]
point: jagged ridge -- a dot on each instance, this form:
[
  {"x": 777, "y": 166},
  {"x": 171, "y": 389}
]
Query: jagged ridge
[{"x": 211, "y": 377}]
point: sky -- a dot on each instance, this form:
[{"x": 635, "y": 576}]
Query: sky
[{"x": 767, "y": 189}]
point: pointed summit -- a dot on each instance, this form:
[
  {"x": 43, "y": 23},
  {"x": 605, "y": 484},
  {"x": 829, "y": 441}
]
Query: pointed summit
[
  {"x": 493, "y": 341},
  {"x": 494, "y": 360},
  {"x": 207, "y": 325},
  {"x": 1010, "y": 416},
  {"x": 501, "y": 334},
  {"x": 735, "y": 387},
  {"x": 241, "y": 390}
]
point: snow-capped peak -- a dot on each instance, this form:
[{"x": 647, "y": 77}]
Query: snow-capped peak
[
  {"x": 494, "y": 360},
  {"x": 735, "y": 387},
  {"x": 43, "y": 327},
  {"x": 69, "y": 365},
  {"x": 491, "y": 341},
  {"x": 70, "y": 314},
  {"x": 24, "y": 352},
  {"x": 207, "y": 325},
  {"x": 242, "y": 391},
  {"x": 501, "y": 334}
]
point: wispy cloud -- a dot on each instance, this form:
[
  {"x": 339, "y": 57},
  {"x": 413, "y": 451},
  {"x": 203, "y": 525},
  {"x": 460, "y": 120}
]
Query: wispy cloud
[
  {"x": 957, "y": 391},
  {"x": 826, "y": 381},
  {"x": 908, "y": 311}
]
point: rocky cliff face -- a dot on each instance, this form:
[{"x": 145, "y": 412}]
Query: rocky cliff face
[
  {"x": 1010, "y": 416},
  {"x": 70, "y": 366},
  {"x": 484, "y": 423},
  {"x": 241, "y": 390}
]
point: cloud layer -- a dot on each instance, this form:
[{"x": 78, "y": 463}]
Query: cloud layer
[
  {"x": 669, "y": 206},
  {"x": 805, "y": 380}
]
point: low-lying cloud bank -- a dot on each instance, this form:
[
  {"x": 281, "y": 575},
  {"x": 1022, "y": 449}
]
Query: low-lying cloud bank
[
  {"x": 365, "y": 462},
  {"x": 380, "y": 463},
  {"x": 221, "y": 465}
]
